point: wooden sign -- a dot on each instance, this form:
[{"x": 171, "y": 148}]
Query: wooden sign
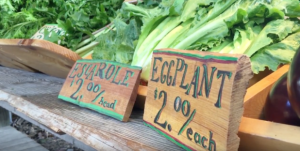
[
  {"x": 107, "y": 87},
  {"x": 195, "y": 99}
]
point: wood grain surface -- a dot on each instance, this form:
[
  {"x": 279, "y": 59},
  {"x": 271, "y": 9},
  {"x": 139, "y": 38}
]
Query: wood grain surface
[
  {"x": 13, "y": 140},
  {"x": 35, "y": 95},
  {"x": 107, "y": 87},
  {"x": 37, "y": 56},
  {"x": 256, "y": 96},
  {"x": 260, "y": 135},
  {"x": 203, "y": 91}
]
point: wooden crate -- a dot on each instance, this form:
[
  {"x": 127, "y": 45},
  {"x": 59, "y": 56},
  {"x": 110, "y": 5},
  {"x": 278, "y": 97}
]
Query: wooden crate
[{"x": 260, "y": 135}]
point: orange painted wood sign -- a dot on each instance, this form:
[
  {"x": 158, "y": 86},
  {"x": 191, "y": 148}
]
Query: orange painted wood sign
[
  {"x": 107, "y": 87},
  {"x": 195, "y": 99}
]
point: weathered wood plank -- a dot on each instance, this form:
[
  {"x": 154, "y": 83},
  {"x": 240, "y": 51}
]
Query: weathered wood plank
[
  {"x": 13, "y": 140},
  {"x": 260, "y": 135},
  {"x": 35, "y": 95},
  {"x": 64, "y": 136},
  {"x": 24, "y": 54}
]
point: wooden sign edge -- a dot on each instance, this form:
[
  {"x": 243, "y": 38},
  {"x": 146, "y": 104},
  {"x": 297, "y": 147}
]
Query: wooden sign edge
[
  {"x": 237, "y": 100},
  {"x": 132, "y": 99},
  {"x": 95, "y": 107},
  {"x": 243, "y": 64}
]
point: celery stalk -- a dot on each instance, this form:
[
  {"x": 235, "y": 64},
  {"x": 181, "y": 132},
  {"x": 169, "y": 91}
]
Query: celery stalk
[
  {"x": 172, "y": 36},
  {"x": 153, "y": 39},
  {"x": 147, "y": 29},
  {"x": 82, "y": 49},
  {"x": 219, "y": 7},
  {"x": 202, "y": 31},
  {"x": 84, "y": 55},
  {"x": 144, "y": 53},
  {"x": 86, "y": 41}
]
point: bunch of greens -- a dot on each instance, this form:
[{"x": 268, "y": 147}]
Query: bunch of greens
[
  {"x": 79, "y": 18},
  {"x": 118, "y": 41},
  {"x": 82, "y": 18},
  {"x": 265, "y": 30},
  {"x": 118, "y": 44},
  {"x": 22, "y": 18}
]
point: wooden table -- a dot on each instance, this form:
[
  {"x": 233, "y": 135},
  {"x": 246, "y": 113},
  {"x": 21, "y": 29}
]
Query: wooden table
[{"x": 34, "y": 96}]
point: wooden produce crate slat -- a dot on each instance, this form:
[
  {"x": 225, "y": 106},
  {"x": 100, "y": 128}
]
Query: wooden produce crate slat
[
  {"x": 37, "y": 56},
  {"x": 256, "y": 95},
  {"x": 259, "y": 135}
]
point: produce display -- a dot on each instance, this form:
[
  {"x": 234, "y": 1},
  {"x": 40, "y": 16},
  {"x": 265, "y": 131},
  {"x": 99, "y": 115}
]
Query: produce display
[
  {"x": 282, "y": 104},
  {"x": 117, "y": 31},
  {"x": 278, "y": 107},
  {"x": 80, "y": 19},
  {"x": 268, "y": 31},
  {"x": 293, "y": 83}
]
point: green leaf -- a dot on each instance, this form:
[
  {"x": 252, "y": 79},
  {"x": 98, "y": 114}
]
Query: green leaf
[
  {"x": 264, "y": 11},
  {"x": 51, "y": 36},
  {"x": 243, "y": 38},
  {"x": 274, "y": 55},
  {"x": 118, "y": 44},
  {"x": 218, "y": 7},
  {"x": 235, "y": 14},
  {"x": 274, "y": 31},
  {"x": 291, "y": 8},
  {"x": 6, "y": 5},
  {"x": 211, "y": 39}
]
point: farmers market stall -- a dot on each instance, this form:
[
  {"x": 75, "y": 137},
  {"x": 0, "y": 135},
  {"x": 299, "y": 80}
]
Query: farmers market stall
[{"x": 154, "y": 75}]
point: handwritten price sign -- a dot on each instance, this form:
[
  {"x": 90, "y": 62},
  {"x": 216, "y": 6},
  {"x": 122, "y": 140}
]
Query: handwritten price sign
[
  {"x": 107, "y": 87},
  {"x": 195, "y": 99}
]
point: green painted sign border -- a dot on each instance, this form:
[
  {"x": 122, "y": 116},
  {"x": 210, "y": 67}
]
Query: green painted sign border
[{"x": 93, "y": 107}]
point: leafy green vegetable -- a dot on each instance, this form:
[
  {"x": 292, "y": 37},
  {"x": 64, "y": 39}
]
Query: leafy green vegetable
[
  {"x": 260, "y": 29},
  {"x": 274, "y": 55},
  {"x": 274, "y": 31},
  {"x": 290, "y": 7},
  {"x": 11, "y": 6},
  {"x": 118, "y": 44},
  {"x": 218, "y": 7},
  {"x": 79, "y": 18},
  {"x": 23, "y": 21},
  {"x": 232, "y": 26},
  {"x": 242, "y": 38},
  {"x": 51, "y": 36},
  {"x": 6, "y": 5}
]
